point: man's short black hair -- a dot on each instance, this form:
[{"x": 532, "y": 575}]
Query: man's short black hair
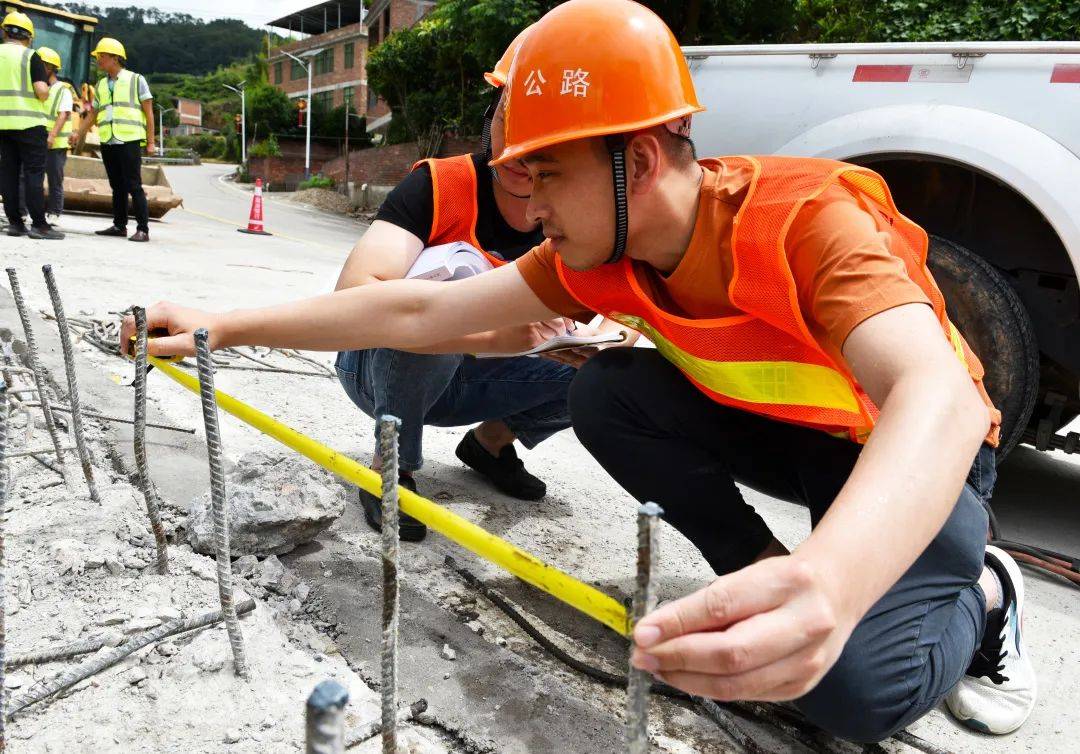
[{"x": 679, "y": 149}]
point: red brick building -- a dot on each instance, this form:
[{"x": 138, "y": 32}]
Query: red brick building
[{"x": 342, "y": 35}]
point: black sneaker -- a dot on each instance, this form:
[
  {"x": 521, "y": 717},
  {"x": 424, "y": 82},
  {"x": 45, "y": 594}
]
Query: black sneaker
[
  {"x": 45, "y": 233},
  {"x": 506, "y": 471},
  {"x": 112, "y": 230},
  {"x": 17, "y": 229},
  {"x": 409, "y": 529}
]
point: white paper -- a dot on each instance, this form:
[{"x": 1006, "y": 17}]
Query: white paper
[
  {"x": 561, "y": 343},
  {"x": 449, "y": 261}
]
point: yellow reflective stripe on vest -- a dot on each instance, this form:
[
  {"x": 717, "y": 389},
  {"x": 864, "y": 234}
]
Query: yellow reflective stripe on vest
[
  {"x": 19, "y": 106},
  {"x": 957, "y": 343},
  {"x": 786, "y": 383}
]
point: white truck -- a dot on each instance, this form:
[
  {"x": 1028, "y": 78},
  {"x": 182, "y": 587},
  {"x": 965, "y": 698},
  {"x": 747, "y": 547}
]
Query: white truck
[{"x": 980, "y": 144}]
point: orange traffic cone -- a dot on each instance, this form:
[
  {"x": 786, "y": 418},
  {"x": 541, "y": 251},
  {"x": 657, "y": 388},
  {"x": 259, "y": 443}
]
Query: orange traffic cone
[{"x": 255, "y": 221}]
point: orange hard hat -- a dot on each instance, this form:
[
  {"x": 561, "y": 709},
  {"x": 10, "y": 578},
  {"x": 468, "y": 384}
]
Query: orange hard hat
[
  {"x": 594, "y": 68},
  {"x": 497, "y": 76}
]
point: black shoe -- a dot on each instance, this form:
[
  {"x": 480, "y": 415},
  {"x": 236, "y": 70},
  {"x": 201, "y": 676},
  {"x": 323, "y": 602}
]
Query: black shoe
[
  {"x": 409, "y": 529},
  {"x": 141, "y": 236},
  {"x": 45, "y": 233},
  {"x": 17, "y": 229},
  {"x": 112, "y": 230},
  {"x": 506, "y": 471}
]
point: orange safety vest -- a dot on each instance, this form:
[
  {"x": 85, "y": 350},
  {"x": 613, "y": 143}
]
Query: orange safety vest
[
  {"x": 765, "y": 360},
  {"x": 455, "y": 209}
]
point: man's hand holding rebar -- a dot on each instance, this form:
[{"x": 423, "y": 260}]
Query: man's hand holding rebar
[
  {"x": 768, "y": 632},
  {"x": 180, "y": 322}
]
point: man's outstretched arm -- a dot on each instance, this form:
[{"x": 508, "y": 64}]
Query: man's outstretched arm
[{"x": 394, "y": 314}]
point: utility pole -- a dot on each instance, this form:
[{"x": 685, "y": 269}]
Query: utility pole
[
  {"x": 348, "y": 117},
  {"x": 348, "y": 106}
]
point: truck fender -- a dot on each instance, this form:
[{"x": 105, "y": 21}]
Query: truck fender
[{"x": 1022, "y": 157}]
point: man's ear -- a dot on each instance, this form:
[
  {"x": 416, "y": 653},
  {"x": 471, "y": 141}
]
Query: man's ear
[{"x": 643, "y": 163}]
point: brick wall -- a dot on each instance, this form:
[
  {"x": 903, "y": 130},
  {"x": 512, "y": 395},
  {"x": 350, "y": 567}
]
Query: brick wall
[
  {"x": 321, "y": 149},
  {"x": 277, "y": 173},
  {"x": 189, "y": 111},
  {"x": 283, "y": 173},
  {"x": 386, "y": 166}
]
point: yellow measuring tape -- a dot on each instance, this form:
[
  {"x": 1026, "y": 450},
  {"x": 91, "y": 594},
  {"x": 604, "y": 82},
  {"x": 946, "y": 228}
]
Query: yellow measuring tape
[{"x": 526, "y": 567}]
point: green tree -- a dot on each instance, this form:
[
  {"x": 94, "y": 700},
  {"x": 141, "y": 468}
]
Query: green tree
[
  {"x": 918, "y": 20},
  {"x": 161, "y": 42},
  {"x": 431, "y": 74},
  {"x": 269, "y": 109}
]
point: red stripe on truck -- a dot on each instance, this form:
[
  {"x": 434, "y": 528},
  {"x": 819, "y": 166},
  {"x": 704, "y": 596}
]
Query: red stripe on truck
[
  {"x": 882, "y": 73},
  {"x": 1065, "y": 73}
]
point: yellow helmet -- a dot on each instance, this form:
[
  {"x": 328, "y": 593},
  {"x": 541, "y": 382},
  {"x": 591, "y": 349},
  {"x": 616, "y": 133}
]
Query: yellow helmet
[
  {"x": 110, "y": 46},
  {"x": 19, "y": 21},
  {"x": 50, "y": 56}
]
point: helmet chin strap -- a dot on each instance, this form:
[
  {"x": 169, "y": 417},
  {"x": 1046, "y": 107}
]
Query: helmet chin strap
[{"x": 617, "y": 149}]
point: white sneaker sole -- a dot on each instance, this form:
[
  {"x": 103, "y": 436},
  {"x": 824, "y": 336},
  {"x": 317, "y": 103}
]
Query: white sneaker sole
[{"x": 1009, "y": 565}]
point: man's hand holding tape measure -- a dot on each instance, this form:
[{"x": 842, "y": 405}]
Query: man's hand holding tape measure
[{"x": 172, "y": 330}]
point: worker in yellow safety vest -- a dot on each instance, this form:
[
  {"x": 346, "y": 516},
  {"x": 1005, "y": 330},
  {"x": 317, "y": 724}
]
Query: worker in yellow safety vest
[
  {"x": 58, "y": 110},
  {"x": 802, "y": 349},
  {"x": 23, "y": 90},
  {"x": 124, "y": 112}
]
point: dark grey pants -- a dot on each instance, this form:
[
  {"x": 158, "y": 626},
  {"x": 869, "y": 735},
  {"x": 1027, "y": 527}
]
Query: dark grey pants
[
  {"x": 664, "y": 441},
  {"x": 54, "y": 170},
  {"x": 123, "y": 165},
  {"x": 22, "y": 163}
]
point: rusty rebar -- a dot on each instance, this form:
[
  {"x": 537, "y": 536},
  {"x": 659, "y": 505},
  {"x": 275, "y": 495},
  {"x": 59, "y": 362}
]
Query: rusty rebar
[
  {"x": 369, "y": 730},
  {"x": 37, "y": 452},
  {"x": 114, "y": 419},
  {"x": 139, "y": 440},
  {"x": 94, "y": 665},
  {"x": 325, "y": 718},
  {"x": 388, "y": 451},
  {"x": 637, "y": 686},
  {"x": 3, "y": 507},
  {"x": 58, "y": 652},
  {"x": 35, "y": 367},
  {"x": 218, "y": 500},
  {"x": 72, "y": 382}
]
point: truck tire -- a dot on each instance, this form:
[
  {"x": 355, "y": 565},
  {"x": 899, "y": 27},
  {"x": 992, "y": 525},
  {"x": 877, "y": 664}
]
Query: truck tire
[{"x": 989, "y": 313}]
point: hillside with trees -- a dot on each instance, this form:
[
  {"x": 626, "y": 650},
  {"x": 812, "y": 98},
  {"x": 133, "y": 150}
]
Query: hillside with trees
[{"x": 160, "y": 42}]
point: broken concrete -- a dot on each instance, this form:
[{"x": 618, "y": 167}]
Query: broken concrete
[{"x": 275, "y": 504}]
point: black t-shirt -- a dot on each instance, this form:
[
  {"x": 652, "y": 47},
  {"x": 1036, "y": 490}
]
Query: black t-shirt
[
  {"x": 411, "y": 206},
  {"x": 37, "y": 70}
]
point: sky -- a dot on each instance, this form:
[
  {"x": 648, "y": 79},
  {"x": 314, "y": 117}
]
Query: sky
[{"x": 253, "y": 12}]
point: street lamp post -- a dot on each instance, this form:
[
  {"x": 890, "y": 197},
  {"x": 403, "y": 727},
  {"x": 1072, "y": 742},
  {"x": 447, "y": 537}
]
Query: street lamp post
[
  {"x": 348, "y": 112},
  {"x": 349, "y": 115},
  {"x": 307, "y": 67},
  {"x": 161, "y": 126},
  {"x": 239, "y": 89}
]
